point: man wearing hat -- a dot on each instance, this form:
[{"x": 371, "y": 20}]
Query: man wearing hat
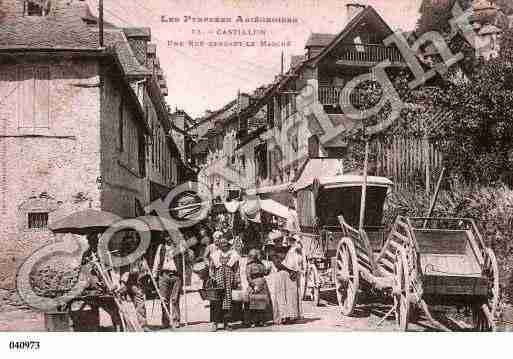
[
  {"x": 131, "y": 279},
  {"x": 168, "y": 268}
]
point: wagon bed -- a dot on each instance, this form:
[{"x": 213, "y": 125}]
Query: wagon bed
[
  {"x": 449, "y": 264},
  {"x": 423, "y": 262}
]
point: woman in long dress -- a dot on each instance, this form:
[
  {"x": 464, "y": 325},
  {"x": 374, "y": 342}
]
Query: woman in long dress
[
  {"x": 283, "y": 285},
  {"x": 258, "y": 294},
  {"x": 224, "y": 270}
]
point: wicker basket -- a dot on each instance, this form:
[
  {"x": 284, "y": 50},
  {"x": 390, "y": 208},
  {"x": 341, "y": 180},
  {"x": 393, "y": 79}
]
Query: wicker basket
[
  {"x": 258, "y": 301},
  {"x": 212, "y": 294}
]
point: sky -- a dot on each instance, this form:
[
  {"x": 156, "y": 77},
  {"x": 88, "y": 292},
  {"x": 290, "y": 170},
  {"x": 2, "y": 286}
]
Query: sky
[{"x": 204, "y": 78}]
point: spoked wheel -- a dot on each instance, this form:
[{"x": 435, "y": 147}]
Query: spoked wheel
[
  {"x": 485, "y": 314},
  {"x": 315, "y": 280},
  {"x": 402, "y": 290},
  {"x": 311, "y": 284},
  {"x": 347, "y": 278}
]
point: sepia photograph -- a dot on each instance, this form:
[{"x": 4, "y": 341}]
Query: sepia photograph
[{"x": 255, "y": 166}]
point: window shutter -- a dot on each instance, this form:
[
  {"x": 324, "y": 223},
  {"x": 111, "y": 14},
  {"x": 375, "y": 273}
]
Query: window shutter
[
  {"x": 42, "y": 97},
  {"x": 26, "y": 97}
]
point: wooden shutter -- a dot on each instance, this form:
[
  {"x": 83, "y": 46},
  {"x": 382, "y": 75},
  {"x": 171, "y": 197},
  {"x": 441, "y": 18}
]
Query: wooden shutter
[
  {"x": 42, "y": 97},
  {"x": 26, "y": 97}
]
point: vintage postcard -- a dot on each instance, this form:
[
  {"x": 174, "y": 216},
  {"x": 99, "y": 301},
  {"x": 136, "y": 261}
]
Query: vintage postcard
[{"x": 256, "y": 166}]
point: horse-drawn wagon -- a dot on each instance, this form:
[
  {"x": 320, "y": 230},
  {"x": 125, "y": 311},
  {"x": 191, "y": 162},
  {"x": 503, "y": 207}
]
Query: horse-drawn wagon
[{"x": 322, "y": 194}]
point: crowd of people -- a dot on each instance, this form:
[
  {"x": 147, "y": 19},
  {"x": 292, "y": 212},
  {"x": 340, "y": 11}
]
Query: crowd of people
[
  {"x": 254, "y": 282},
  {"x": 251, "y": 278}
]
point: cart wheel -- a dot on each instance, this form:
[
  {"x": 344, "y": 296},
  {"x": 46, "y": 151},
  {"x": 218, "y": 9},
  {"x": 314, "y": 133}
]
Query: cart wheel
[
  {"x": 315, "y": 281},
  {"x": 484, "y": 315},
  {"x": 303, "y": 284},
  {"x": 347, "y": 277},
  {"x": 312, "y": 281},
  {"x": 402, "y": 291},
  {"x": 481, "y": 324},
  {"x": 316, "y": 296}
]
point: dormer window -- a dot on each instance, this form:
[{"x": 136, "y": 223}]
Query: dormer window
[{"x": 37, "y": 7}]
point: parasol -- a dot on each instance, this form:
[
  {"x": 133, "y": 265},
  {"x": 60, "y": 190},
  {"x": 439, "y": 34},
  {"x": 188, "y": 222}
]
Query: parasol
[
  {"x": 159, "y": 224},
  {"x": 85, "y": 222}
]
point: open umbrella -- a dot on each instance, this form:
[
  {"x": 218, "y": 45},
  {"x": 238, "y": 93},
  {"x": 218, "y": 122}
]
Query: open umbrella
[
  {"x": 159, "y": 224},
  {"x": 85, "y": 222}
]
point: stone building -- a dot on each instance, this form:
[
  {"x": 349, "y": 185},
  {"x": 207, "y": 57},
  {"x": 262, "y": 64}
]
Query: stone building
[
  {"x": 217, "y": 138},
  {"x": 82, "y": 125},
  {"x": 285, "y": 123}
]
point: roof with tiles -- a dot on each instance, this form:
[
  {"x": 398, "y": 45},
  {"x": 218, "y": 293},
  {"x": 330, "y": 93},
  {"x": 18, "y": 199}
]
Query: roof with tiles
[
  {"x": 126, "y": 57},
  {"x": 70, "y": 27},
  {"x": 59, "y": 30},
  {"x": 319, "y": 40},
  {"x": 144, "y": 32}
]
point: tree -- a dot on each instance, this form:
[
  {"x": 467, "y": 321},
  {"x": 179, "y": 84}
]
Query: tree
[
  {"x": 435, "y": 15},
  {"x": 477, "y": 133}
]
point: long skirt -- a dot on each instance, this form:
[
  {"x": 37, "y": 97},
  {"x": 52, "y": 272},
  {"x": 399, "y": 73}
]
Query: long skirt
[
  {"x": 284, "y": 295},
  {"x": 224, "y": 309}
]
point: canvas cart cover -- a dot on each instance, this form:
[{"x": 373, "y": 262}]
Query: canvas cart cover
[
  {"x": 274, "y": 208},
  {"x": 329, "y": 172}
]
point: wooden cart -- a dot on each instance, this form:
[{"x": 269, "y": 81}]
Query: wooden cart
[
  {"x": 450, "y": 265},
  {"x": 322, "y": 194},
  {"x": 424, "y": 262},
  {"x": 364, "y": 264}
]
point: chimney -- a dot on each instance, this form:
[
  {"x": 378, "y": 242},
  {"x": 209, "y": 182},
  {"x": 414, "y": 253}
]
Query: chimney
[
  {"x": 353, "y": 9},
  {"x": 244, "y": 100}
]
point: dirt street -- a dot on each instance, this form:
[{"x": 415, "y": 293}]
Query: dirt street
[{"x": 326, "y": 317}]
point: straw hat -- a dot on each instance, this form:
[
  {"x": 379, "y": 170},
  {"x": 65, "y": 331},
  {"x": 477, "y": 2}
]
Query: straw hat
[
  {"x": 218, "y": 235},
  {"x": 254, "y": 254},
  {"x": 274, "y": 236}
]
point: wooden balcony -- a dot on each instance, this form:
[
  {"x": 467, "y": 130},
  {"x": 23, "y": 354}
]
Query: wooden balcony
[
  {"x": 369, "y": 55},
  {"x": 330, "y": 95}
]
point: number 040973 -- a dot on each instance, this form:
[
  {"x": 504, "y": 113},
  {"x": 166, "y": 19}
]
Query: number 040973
[{"x": 24, "y": 345}]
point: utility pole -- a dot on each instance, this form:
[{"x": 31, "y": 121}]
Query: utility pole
[
  {"x": 364, "y": 185},
  {"x": 100, "y": 16}
]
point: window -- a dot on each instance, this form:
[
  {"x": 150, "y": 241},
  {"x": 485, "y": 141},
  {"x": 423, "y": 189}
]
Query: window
[
  {"x": 286, "y": 102},
  {"x": 294, "y": 142},
  {"x": 36, "y": 7},
  {"x": 359, "y": 44},
  {"x": 154, "y": 146},
  {"x": 34, "y": 97},
  {"x": 278, "y": 111},
  {"x": 270, "y": 114},
  {"x": 38, "y": 220},
  {"x": 243, "y": 162},
  {"x": 142, "y": 155},
  {"x": 121, "y": 125},
  {"x": 261, "y": 160}
]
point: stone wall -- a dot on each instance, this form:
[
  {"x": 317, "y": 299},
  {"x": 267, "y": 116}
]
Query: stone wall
[{"x": 53, "y": 165}]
